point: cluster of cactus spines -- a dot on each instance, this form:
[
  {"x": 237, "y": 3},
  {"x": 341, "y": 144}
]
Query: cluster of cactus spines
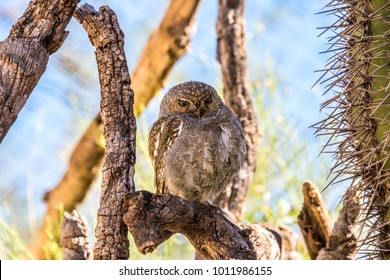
[{"x": 358, "y": 123}]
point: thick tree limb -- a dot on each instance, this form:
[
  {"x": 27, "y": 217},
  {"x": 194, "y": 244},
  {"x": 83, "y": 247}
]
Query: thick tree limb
[
  {"x": 74, "y": 237},
  {"x": 231, "y": 54},
  {"x": 119, "y": 127},
  {"x": 314, "y": 220},
  {"x": 153, "y": 218},
  {"x": 167, "y": 44},
  {"x": 343, "y": 239},
  {"x": 25, "y": 53}
]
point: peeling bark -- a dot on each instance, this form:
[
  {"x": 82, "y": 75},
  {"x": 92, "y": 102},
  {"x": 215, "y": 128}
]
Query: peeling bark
[
  {"x": 25, "y": 53},
  {"x": 74, "y": 237},
  {"x": 119, "y": 127},
  {"x": 153, "y": 218},
  {"x": 314, "y": 220},
  {"x": 231, "y": 54}
]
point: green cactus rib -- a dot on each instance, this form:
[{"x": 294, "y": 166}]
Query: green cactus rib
[
  {"x": 379, "y": 71},
  {"x": 358, "y": 126}
]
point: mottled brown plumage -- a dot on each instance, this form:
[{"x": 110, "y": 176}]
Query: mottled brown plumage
[{"x": 196, "y": 144}]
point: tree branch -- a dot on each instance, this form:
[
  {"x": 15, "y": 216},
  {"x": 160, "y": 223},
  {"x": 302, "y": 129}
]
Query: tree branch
[
  {"x": 314, "y": 220},
  {"x": 119, "y": 129},
  {"x": 166, "y": 45},
  {"x": 231, "y": 54},
  {"x": 153, "y": 218},
  {"x": 343, "y": 239},
  {"x": 25, "y": 53}
]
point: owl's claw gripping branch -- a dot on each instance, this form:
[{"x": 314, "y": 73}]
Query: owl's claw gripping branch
[{"x": 153, "y": 218}]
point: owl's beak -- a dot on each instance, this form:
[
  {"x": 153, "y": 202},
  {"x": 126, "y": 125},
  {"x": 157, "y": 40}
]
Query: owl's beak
[
  {"x": 200, "y": 113},
  {"x": 197, "y": 114}
]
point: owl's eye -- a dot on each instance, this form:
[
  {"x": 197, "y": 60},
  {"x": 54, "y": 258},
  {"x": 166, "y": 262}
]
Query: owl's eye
[
  {"x": 182, "y": 103},
  {"x": 208, "y": 101}
]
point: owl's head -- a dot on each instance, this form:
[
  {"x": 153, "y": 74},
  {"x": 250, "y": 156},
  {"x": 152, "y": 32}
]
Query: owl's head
[{"x": 194, "y": 98}]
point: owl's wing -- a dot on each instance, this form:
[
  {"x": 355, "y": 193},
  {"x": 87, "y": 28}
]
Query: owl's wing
[{"x": 162, "y": 135}]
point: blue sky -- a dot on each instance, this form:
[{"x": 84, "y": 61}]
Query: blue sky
[{"x": 281, "y": 36}]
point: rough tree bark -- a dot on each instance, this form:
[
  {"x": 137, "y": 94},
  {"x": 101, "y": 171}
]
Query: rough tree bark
[
  {"x": 119, "y": 127},
  {"x": 341, "y": 242},
  {"x": 314, "y": 220},
  {"x": 25, "y": 53},
  {"x": 153, "y": 218},
  {"x": 231, "y": 54},
  {"x": 167, "y": 44},
  {"x": 74, "y": 237}
]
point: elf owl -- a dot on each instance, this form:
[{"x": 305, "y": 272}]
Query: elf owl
[{"x": 196, "y": 145}]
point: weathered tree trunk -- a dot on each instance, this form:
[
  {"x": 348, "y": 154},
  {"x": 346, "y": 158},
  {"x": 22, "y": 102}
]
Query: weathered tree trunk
[
  {"x": 119, "y": 130},
  {"x": 167, "y": 44},
  {"x": 25, "y": 53},
  {"x": 231, "y": 54}
]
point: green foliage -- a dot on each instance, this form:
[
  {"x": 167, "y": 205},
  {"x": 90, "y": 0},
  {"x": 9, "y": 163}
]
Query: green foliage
[
  {"x": 12, "y": 246},
  {"x": 284, "y": 159},
  {"x": 52, "y": 248}
]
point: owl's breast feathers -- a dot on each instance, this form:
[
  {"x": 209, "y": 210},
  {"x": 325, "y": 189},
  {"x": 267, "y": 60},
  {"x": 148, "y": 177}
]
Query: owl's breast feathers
[
  {"x": 196, "y": 158},
  {"x": 162, "y": 135}
]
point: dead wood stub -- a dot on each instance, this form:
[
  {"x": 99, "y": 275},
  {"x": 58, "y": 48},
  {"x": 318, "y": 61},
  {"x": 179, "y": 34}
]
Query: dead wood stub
[
  {"x": 314, "y": 220},
  {"x": 74, "y": 237}
]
